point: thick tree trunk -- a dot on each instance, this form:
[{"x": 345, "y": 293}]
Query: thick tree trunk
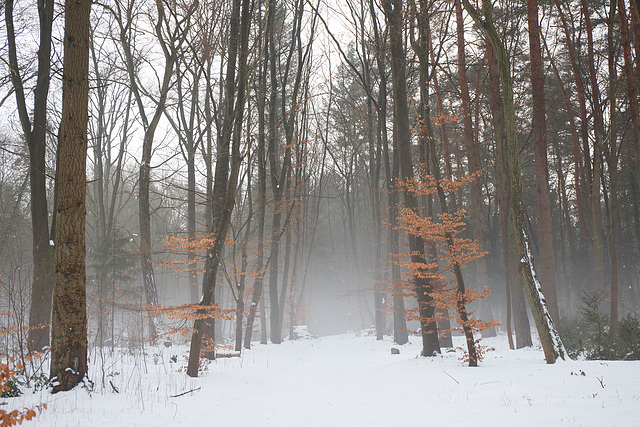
[
  {"x": 144, "y": 218},
  {"x": 539, "y": 127},
  {"x": 632, "y": 96},
  {"x": 422, "y": 47},
  {"x": 239, "y": 291},
  {"x": 518, "y": 303},
  {"x": 276, "y": 184},
  {"x": 549, "y": 338},
  {"x": 286, "y": 276},
  {"x": 423, "y": 287},
  {"x": 275, "y": 322},
  {"x": 463, "y": 317},
  {"x": 69, "y": 338},
  {"x": 516, "y": 308},
  {"x": 635, "y": 30}
]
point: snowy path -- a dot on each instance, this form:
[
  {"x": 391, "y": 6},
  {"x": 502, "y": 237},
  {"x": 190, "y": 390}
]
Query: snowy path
[{"x": 347, "y": 381}]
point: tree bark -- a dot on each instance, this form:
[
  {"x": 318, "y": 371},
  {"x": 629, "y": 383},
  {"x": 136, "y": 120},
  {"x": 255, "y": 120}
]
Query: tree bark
[
  {"x": 539, "y": 127},
  {"x": 460, "y": 285},
  {"x": 423, "y": 287},
  {"x": 69, "y": 338},
  {"x": 516, "y": 309}
]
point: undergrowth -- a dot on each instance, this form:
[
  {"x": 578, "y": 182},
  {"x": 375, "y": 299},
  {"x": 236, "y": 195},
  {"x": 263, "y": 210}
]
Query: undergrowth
[{"x": 588, "y": 334}]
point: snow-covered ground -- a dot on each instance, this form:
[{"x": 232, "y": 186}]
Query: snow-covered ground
[{"x": 350, "y": 381}]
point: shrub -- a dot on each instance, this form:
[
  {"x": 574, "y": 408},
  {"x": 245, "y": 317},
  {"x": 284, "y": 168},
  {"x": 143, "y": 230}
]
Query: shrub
[
  {"x": 588, "y": 334},
  {"x": 627, "y": 338},
  {"x": 8, "y": 386}
]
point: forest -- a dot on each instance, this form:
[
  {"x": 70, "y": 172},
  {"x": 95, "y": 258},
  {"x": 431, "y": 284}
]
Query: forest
[{"x": 221, "y": 174}]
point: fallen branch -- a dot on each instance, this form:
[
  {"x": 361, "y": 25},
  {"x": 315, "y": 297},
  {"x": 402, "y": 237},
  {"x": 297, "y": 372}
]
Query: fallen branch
[
  {"x": 186, "y": 392},
  {"x": 450, "y": 376}
]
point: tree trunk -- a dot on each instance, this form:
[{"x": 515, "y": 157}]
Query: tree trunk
[
  {"x": 549, "y": 338},
  {"x": 239, "y": 293},
  {"x": 597, "y": 234},
  {"x": 632, "y": 95},
  {"x": 274, "y": 312},
  {"x": 518, "y": 304},
  {"x": 473, "y": 161},
  {"x": 35, "y": 135},
  {"x": 423, "y": 287},
  {"x": 400, "y": 334},
  {"x": 612, "y": 160},
  {"x": 227, "y": 169},
  {"x": 539, "y": 127},
  {"x": 515, "y": 299},
  {"x": 422, "y": 47},
  {"x": 258, "y": 283},
  {"x": 69, "y": 338},
  {"x": 583, "y": 168}
]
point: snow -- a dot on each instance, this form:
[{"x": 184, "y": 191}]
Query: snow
[{"x": 346, "y": 380}]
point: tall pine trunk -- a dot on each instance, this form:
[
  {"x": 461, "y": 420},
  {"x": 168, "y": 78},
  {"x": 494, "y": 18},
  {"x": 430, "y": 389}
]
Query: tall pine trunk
[
  {"x": 516, "y": 309},
  {"x": 612, "y": 160},
  {"x": 543, "y": 199},
  {"x": 597, "y": 234}
]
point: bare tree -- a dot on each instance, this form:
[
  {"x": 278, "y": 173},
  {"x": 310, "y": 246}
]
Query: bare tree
[
  {"x": 227, "y": 166},
  {"x": 170, "y": 30},
  {"x": 35, "y": 134}
]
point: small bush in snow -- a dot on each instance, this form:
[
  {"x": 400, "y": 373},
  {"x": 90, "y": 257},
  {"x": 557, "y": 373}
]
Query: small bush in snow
[{"x": 589, "y": 335}]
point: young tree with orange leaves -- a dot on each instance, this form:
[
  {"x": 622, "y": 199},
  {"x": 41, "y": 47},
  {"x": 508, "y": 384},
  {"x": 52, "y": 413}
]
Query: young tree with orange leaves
[{"x": 454, "y": 254}]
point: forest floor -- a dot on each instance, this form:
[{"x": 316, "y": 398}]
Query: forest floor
[{"x": 345, "y": 380}]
